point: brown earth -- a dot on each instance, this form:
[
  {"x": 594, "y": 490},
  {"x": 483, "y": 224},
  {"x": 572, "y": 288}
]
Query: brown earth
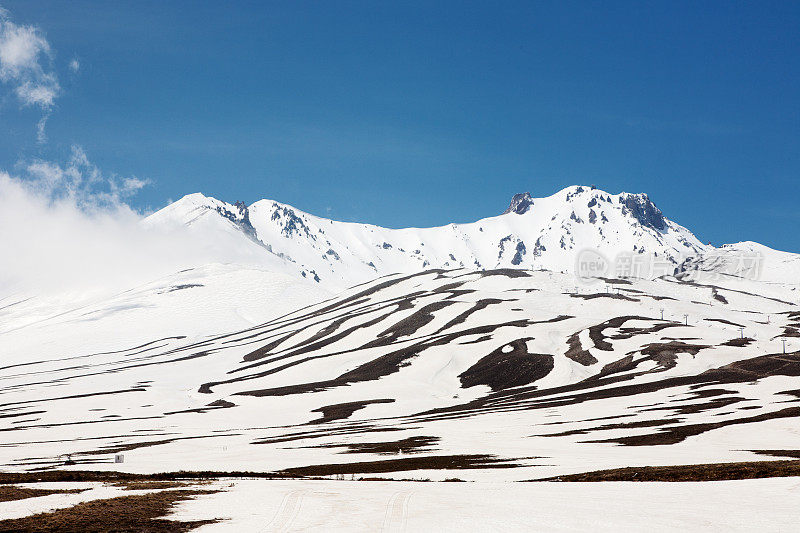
[
  {"x": 9, "y": 493},
  {"x": 700, "y": 472},
  {"x": 341, "y": 411},
  {"x": 139, "y": 513},
  {"x": 435, "y": 462}
]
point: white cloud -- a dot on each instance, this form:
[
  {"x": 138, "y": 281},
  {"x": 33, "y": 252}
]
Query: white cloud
[
  {"x": 66, "y": 229},
  {"x": 74, "y": 65},
  {"x": 80, "y": 182},
  {"x": 41, "y": 136},
  {"x": 25, "y": 66},
  {"x": 53, "y": 245}
]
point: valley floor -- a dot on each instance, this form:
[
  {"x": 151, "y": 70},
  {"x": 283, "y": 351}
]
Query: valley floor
[{"x": 328, "y": 505}]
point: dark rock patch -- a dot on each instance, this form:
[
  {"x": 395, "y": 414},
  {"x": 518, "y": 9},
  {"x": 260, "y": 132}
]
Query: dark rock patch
[
  {"x": 185, "y": 286},
  {"x": 433, "y": 462},
  {"x": 462, "y": 317},
  {"x": 723, "y": 321},
  {"x": 507, "y": 272},
  {"x": 610, "y": 295},
  {"x": 739, "y": 342},
  {"x": 643, "y": 210},
  {"x": 620, "y": 365},
  {"x": 409, "y": 325},
  {"x": 717, "y": 296},
  {"x": 341, "y": 411},
  {"x": 520, "y": 203},
  {"x": 617, "y": 281},
  {"x": 694, "y": 408},
  {"x": 505, "y": 369},
  {"x": 779, "y": 453},
  {"x": 676, "y": 434},
  {"x": 608, "y": 427},
  {"x": 520, "y": 251},
  {"x": 410, "y": 445},
  {"x": 577, "y": 353}
]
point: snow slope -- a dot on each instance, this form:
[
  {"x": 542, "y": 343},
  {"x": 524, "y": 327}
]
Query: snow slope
[
  {"x": 193, "y": 304},
  {"x": 502, "y": 375}
]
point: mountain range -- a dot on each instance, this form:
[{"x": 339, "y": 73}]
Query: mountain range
[{"x": 532, "y": 233}]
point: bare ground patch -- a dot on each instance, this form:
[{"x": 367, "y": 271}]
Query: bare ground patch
[
  {"x": 140, "y": 513},
  {"x": 10, "y": 493},
  {"x": 434, "y": 462},
  {"x": 699, "y": 472},
  {"x": 410, "y": 445},
  {"x": 341, "y": 411},
  {"x": 511, "y": 365}
]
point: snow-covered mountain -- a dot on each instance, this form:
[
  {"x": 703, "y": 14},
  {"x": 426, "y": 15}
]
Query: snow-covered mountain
[
  {"x": 501, "y": 362},
  {"x": 533, "y": 233}
]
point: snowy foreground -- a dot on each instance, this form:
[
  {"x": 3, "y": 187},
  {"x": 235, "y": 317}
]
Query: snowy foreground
[
  {"x": 765, "y": 505},
  {"x": 258, "y": 505}
]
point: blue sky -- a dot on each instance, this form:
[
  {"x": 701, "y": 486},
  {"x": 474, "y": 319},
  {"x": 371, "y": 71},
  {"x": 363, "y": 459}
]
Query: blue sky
[{"x": 423, "y": 113}]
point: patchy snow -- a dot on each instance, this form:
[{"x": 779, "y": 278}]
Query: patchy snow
[
  {"x": 215, "y": 370},
  {"x": 51, "y": 502}
]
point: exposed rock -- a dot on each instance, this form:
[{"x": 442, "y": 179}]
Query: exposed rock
[
  {"x": 643, "y": 210},
  {"x": 520, "y": 203},
  {"x": 517, "y": 259}
]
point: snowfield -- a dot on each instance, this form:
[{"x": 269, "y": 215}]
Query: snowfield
[
  {"x": 768, "y": 505},
  {"x": 501, "y": 375},
  {"x": 501, "y": 507},
  {"x": 481, "y": 351}
]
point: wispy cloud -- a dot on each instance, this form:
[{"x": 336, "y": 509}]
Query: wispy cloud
[
  {"x": 26, "y": 67},
  {"x": 81, "y": 182},
  {"x": 67, "y": 228}
]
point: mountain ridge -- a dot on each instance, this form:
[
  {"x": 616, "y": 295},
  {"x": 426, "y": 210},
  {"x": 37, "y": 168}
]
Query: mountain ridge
[{"x": 533, "y": 233}]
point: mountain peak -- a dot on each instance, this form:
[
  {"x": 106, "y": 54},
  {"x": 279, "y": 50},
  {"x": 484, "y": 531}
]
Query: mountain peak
[
  {"x": 520, "y": 203},
  {"x": 644, "y": 210}
]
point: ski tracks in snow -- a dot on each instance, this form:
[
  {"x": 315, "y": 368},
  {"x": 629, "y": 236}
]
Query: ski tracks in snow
[
  {"x": 287, "y": 512},
  {"x": 394, "y": 521},
  {"x": 396, "y": 516}
]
